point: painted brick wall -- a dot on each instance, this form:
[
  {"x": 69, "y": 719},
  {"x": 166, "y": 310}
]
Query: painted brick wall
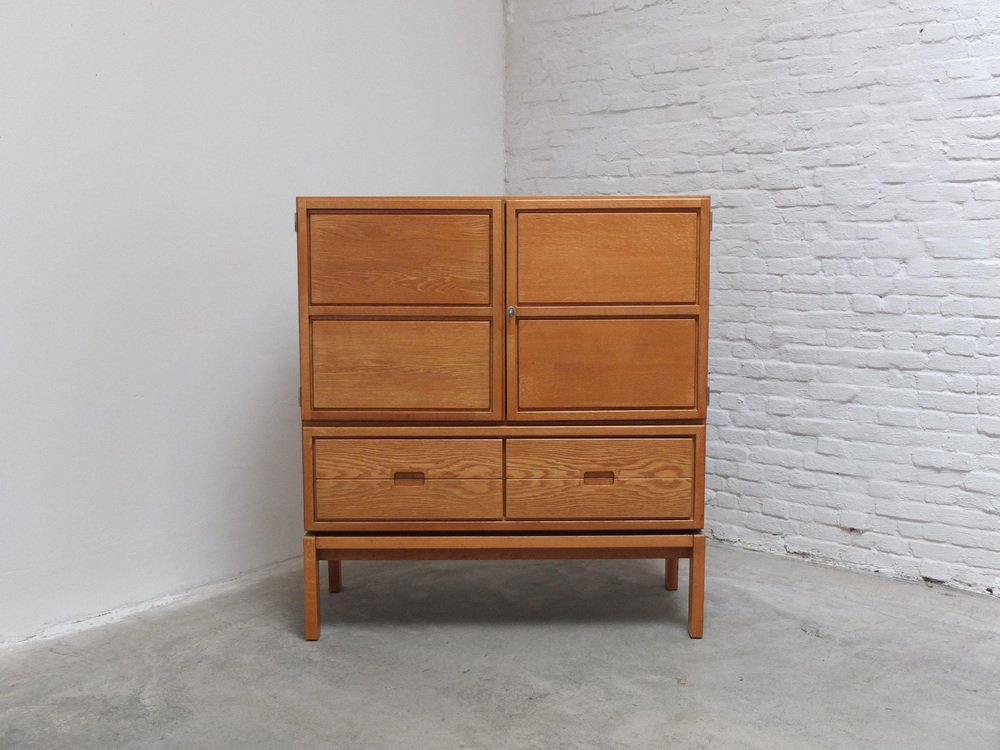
[{"x": 852, "y": 151}]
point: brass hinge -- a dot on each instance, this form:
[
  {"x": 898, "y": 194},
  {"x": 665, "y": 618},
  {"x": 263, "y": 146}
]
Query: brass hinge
[{"x": 296, "y": 222}]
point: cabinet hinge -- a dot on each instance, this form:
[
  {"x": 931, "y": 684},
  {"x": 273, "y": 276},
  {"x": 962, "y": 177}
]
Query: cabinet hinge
[
  {"x": 709, "y": 222},
  {"x": 300, "y": 395},
  {"x": 296, "y": 222}
]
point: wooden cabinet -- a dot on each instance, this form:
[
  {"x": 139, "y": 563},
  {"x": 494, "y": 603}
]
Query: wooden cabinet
[{"x": 503, "y": 378}]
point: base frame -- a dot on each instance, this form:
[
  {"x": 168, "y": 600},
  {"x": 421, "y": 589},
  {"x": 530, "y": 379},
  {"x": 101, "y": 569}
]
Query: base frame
[{"x": 670, "y": 547}]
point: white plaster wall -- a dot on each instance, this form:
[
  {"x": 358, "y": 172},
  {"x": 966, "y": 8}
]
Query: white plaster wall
[
  {"x": 852, "y": 151},
  {"x": 150, "y": 154}
]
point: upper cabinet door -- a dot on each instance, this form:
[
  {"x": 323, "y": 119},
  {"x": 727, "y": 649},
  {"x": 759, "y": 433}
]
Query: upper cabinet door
[
  {"x": 610, "y": 299},
  {"x": 606, "y": 257},
  {"x": 400, "y": 258},
  {"x": 401, "y": 308}
]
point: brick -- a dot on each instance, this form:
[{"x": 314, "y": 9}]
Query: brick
[{"x": 855, "y": 315}]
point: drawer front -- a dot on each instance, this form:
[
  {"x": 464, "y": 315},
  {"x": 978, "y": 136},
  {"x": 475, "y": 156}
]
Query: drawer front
[
  {"x": 607, "y": 256},
  {"x": 408, "y": 498},
  {"x": 576, "y": 369},
  {"x": 386, "y": 257},
  {"x": 378, "y": 458},
  {"x": 408, "y": 479},
  {"x": 554, "y": 499},
  {"x": 613, "y": 478},
  {"x": 402, "y": 365},
  {"x": 623, "y": 458}
]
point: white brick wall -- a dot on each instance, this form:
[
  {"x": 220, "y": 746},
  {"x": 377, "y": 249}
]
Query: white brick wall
[{"x": 852, "y": 152}]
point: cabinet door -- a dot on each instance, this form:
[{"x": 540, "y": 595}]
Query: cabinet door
[
  {"x": 610, "y": 315},
  {"x": 401, "y": 308}
]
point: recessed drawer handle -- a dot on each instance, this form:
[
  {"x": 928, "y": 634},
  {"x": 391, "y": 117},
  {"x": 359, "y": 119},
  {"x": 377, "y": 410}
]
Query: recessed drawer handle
[
  {"x": 408, "y": 478},
  {"x": 598, "y": 477}
]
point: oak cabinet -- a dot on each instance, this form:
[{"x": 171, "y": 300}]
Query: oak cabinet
[{"x": 503, "y": 378}]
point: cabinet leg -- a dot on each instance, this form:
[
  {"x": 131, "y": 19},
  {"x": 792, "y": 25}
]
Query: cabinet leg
[
  {"x": 333, "y": 575},
  {"x": 696, "y": 588},
  {"x": 311, "y": 568},
  {"x": 673, "y": 569}
]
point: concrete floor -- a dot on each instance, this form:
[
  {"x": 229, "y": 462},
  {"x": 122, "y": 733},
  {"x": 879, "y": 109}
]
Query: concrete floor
[{"x": 528, "y": 655}]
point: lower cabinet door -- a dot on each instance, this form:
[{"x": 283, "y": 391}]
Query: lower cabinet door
[
  {"x": 602, "y": 369},
  {"x": 382, "y": 369}
]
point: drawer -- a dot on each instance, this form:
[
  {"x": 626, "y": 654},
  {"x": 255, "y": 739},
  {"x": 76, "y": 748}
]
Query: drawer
[
  {"x": 384, "y": 479},
  {"x": 410, "y": 498},
  {"x": 384, "y": 458},
  {"x": 401, "y": 257},
  {"x": 619, "y": 499},
  {"x": 624, "y": 458},
  {"x": 602, "y": 256},
  {"x": 601, "y": 479}
]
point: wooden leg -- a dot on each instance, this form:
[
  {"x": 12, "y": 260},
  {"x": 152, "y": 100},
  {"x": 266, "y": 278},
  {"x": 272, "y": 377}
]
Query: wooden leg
[
  {"x": 696, "y": 588},
  {"x": 311, "y": 565},
  {"x": 333, "y": 575},
  {"x": 673, "y": 569}
]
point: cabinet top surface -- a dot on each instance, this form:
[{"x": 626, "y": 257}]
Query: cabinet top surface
[{"x": 317, "y": 200}]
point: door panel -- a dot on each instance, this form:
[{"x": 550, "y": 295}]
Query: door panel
[
  {"x": 586, "y": 367},
  {"x": 399, "y": 258},
  {"x": 372, "y": 366},
  {"x": 607, "y": 257}
]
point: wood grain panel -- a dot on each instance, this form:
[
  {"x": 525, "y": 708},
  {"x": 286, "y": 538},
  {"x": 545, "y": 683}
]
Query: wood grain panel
[
  {"x": 625, "y": 458},
  {"x": 400, "y": 258},
  {"x": 381, "y": 459},
  {"x": 627, "y": 498},
  {"x": 401, "y": 364},
  {"x": 496, "y": 547},
  {"x": 383, "y": 499},
  {"x": 513, "y": 430},
  {"x": 607, "y": 257},
  {"x": 592, "y": 364}
]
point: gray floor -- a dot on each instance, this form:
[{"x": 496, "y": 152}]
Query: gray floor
[{"x": 528, "y": 655}]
